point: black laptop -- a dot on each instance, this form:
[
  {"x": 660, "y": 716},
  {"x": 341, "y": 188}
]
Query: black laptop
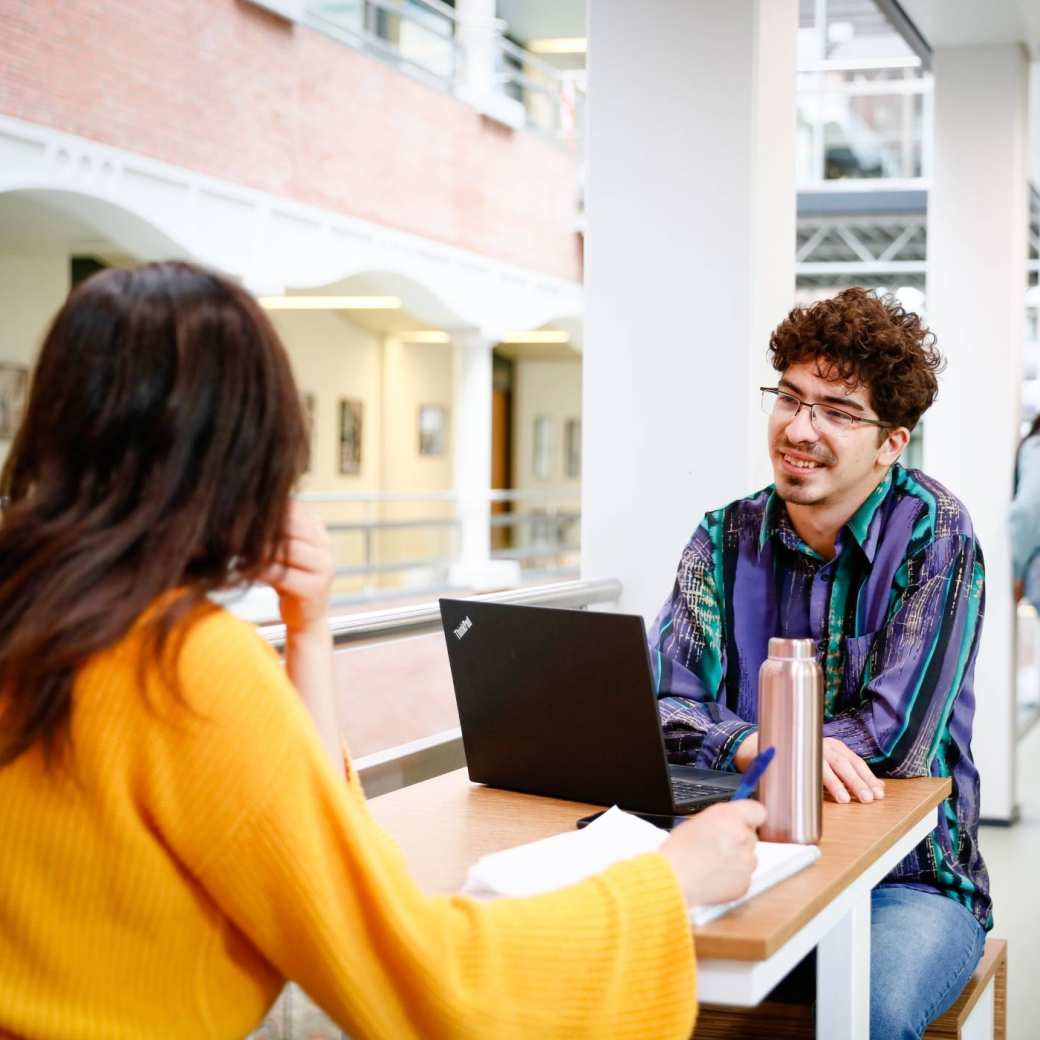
[{"x": 561, "y": 703}]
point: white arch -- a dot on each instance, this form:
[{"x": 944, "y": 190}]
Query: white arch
[{"x": 152, "y": 209}]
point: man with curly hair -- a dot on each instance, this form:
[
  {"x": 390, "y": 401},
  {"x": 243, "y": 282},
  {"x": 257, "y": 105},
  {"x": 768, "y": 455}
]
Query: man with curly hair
[{"x": 879, "y": 566}]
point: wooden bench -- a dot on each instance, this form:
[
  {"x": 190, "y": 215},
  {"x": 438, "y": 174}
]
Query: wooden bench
[{"x": 979, "y": 1013}]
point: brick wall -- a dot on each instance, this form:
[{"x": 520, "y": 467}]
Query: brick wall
[{"x": 225, "y": 89}]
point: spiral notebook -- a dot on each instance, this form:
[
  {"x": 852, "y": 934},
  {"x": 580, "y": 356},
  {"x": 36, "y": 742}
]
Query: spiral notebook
[{"x": 540, "y": 866}]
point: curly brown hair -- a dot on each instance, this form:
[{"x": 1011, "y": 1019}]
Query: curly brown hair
[{"x": 865, "y": 340}]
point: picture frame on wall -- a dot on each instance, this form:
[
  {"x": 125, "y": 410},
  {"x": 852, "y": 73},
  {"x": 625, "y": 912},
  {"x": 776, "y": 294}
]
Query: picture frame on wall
[
  {"x": 572, "y": 449},
  {"x": 350, "y": 427},
  {"x": 14, "y": 387},
  {"x": 433, "y": 429}
]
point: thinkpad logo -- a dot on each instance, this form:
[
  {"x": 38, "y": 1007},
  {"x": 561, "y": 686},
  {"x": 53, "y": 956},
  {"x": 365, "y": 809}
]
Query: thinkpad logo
[{"x": 463, "y": 628}]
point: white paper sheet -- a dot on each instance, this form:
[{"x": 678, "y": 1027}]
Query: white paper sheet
[{"x": 562, "y": 859}]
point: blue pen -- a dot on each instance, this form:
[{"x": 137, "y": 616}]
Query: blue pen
[{"x": 754, "y": 774}]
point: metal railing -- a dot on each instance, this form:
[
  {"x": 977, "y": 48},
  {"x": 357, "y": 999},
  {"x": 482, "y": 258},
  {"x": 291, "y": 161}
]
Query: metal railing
[
  {"x": 421, "y": 38},
  {"x": 436, "y": 753},
  {"x": 380, "y": 555},
  {"x": 417, "y": 36},
  {"x": 423, "y": 618},
  {"x": 553, "y": 102}
]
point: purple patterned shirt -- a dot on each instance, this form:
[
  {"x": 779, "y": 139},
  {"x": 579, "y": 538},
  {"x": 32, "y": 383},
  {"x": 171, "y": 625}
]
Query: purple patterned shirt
[{"x": 896, "y": 618}]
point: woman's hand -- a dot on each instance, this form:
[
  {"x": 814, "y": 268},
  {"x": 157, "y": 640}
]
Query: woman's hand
[
  {"x": 302, "y": 572},
  {"x": 302, "y": 576},
  {"x": 714, "y": 853}
]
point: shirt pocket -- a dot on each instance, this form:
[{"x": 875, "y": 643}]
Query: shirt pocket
[{"x": 859, "y": 651}]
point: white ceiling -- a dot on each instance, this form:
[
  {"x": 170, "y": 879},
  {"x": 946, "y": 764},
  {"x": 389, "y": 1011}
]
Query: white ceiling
[
  {"x": 539, "y": 19},
  {"x": 960, "y": 23}
]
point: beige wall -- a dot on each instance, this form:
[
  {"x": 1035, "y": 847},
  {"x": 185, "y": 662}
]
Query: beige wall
[
  {"x": 544, "y": 388},
  {"x": 32, "y": 287},
  {"x": 332, "y": 358},
  {"x": 415, "y": 375},
  {"x": 551, "y": 389}
]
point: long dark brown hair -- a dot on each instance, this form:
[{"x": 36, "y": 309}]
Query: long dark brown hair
[{"x": 161, "y": 442}]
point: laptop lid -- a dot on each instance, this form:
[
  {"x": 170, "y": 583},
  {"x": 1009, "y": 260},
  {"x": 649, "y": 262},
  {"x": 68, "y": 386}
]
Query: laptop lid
[{"x": 558, "y": 703}]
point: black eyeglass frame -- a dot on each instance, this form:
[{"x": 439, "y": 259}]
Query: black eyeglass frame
[{"x": 853, "y": 419}]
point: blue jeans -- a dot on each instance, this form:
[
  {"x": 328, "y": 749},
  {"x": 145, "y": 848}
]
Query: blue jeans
[{"x": 923, "y": 949}]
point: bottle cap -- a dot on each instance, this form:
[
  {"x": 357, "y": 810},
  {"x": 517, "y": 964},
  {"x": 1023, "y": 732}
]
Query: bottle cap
[{"x": 792, "y": 648}]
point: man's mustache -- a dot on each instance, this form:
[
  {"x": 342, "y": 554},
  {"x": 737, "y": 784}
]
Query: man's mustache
[{"x": 813, "y": 451}]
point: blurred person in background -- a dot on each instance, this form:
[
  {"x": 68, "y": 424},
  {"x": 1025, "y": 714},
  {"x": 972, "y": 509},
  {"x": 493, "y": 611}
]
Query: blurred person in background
[
  {"x": 179, "y": 837},
  {"x": 1024, "y": 518}
]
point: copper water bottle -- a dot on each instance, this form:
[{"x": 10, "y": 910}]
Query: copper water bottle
[{"x": 790, "y": 719}]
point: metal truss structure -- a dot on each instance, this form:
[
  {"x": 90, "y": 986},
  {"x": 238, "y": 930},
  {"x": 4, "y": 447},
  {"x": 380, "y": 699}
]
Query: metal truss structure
[
  {"x": 851, "y": 240},
  {"x": 869, "y": 249}
]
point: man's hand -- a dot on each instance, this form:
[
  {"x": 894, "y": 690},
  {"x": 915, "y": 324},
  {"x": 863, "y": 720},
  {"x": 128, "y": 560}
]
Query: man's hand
[
  {"x": 303, "y": 571},
  {"x": 845, "y": 774},
  {"x": 714, "y": 853}
]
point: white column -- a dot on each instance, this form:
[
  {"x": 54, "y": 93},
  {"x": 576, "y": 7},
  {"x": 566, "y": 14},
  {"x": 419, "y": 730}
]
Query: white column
[
  {"x": 977, "y": 218},
  {"x": 476, "y": 30},
  {"x": 689, "y": 264},
  {"x": 472, "y": 449}
]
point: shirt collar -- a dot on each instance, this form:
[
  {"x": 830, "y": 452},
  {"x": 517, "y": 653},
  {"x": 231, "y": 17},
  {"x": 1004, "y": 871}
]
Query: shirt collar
[
  {"x": 861, "y": 525},
  {"x": 866, "y": 533}
]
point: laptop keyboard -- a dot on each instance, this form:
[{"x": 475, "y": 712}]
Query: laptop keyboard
[{"x": 693, "y": 790}]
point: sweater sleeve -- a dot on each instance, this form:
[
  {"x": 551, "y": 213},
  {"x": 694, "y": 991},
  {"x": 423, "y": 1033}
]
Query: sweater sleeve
[{"x": 289, "y": 853}]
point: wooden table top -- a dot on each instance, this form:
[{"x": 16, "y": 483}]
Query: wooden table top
[{"x": 445, "y": 824}]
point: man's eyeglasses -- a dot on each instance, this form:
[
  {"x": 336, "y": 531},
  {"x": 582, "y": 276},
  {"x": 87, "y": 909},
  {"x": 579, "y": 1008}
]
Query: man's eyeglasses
[{"x": 823, "y": 417}]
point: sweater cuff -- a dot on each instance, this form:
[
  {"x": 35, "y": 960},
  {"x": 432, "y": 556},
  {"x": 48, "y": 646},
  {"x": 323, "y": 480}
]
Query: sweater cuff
[{"x": 665, "y": 937}]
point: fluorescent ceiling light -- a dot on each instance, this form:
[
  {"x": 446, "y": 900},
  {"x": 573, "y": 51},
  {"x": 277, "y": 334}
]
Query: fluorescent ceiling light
[
  {"x": 558, "y": 45},
  {"x": 424, "y": 336},
  {"x": 537, "y": 336},
  {"x": 330, "y": 303}
]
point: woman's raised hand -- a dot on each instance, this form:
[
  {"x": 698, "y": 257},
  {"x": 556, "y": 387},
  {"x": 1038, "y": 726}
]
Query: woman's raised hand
[{"x": 302, "y": 571}]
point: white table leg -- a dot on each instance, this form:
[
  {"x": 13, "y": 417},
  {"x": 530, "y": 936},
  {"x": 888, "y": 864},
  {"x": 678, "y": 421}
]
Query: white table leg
[
  {"x": 843, "y": 976},
  {"x": 980, "y": 1023}
]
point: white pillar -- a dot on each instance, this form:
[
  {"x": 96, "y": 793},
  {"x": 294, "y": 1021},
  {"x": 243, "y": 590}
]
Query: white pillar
[
  {"x": 475, "y": 32},
  {"x": 472, "y": 450},
  {"x": 977, "y": 219},
  {"x": 689, "y": 263}
]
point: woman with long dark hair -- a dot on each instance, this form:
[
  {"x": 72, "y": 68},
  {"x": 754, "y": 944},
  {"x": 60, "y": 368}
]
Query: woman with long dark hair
[{"x": 175, "y": 840}]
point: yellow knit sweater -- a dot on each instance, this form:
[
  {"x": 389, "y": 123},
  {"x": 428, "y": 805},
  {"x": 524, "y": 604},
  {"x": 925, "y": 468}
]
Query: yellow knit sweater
[{"x": 193, "y": 854}]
